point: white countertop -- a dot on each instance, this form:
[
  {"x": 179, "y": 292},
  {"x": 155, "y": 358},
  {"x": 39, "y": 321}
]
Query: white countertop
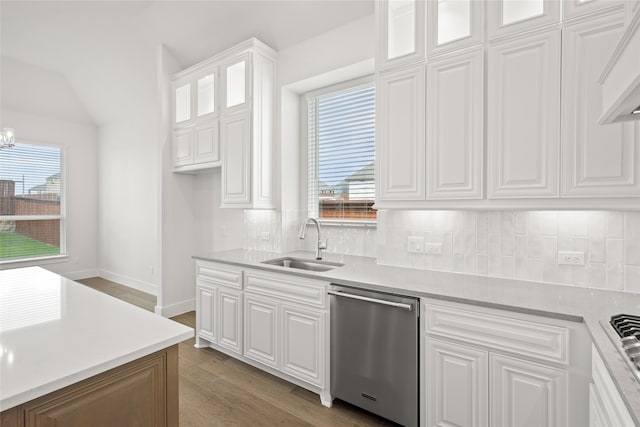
[
  {"x": 594, "y": 307},
  {"x": 55, "y": 332}
]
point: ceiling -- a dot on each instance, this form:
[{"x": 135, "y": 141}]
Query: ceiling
[{"x": 107, "y": 49}]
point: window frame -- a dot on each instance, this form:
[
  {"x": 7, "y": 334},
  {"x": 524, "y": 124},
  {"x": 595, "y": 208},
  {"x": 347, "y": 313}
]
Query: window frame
[
  {"x": 343, "y": 86},
  {"x": 63, "y": 255}
]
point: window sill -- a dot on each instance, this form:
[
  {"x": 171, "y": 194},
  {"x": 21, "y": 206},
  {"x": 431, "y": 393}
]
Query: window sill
[
  {"x": 348, "y": 223},
  {"x": 31, "y": 262}
]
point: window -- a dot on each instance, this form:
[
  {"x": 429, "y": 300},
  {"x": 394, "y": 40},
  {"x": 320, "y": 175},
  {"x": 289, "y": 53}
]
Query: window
[
  {"x": 341, "y": 131},
  {"x": 31, "y": 202}
]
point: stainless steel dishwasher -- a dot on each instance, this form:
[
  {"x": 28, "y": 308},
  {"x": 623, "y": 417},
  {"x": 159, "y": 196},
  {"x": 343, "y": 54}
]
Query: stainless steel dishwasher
[{"x": 374, "y": 352}]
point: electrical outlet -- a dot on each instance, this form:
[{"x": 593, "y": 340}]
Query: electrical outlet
[
  {"x": 570, "y": 258},
  {"x": 265, "y": 235},
  {"x": 433, "y": 248},
  {"x": 415, "y": 244}
]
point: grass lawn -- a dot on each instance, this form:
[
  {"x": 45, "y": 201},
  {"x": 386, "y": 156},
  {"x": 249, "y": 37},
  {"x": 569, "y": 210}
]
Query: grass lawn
[{"x": 14, "y": 245}]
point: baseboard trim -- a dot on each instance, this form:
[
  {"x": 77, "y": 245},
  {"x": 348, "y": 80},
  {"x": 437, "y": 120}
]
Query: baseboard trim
[
  {"x": 176, "y": 309},
  {"x": 140, "y": 285},
  {"x": 82, "y": 274}
]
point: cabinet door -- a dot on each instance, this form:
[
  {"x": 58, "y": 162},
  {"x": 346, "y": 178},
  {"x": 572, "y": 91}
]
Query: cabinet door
[
  {"x": 597, "y": 160},
  {"x": 230, "y": 320},
  {"x": 597, "y": 412},
  {"x": 400, "y": 142},
  {"x": 182, "y": 102},
  {"x": 236, "y": 83},
  {"x": 401, "y": 26},
  {"x": 236, "y": 160},
  {"x": 206, "y": 95},
  {"x": 260, "y": 330},
  {"x": 573, "y": 8},
  {"x": 454, "y": 24},
  {"x": 457, "y": 380},
  {"x": 455, "y": 116},
  {"x": 207, "y": 142},
  {"x": 183, "y": 146},
  {"x": 527, "y": 394},
  {"x": 206, "y": 313},
  {"x": 302, "y": 344},
  {"x": 524, "y": 117},
  {"x": 505, "y": 17}
]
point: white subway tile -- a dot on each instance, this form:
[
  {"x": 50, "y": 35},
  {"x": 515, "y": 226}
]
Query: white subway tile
[
  {"x": 534, "y": 246},
  {"x": 597, "y": 249},
  {"x": 632, "y": 238},
  {"x": 631, "y": 278},
  {"x": 508, "y": 266},
  {"x": 615, "y": 224},
  {"x": 534, "y": 269},
  {"x": 549, "y": 223},
  {"x": 495, "y": 222},
  {"x": 535, "y": 222},
  {"x": 615, "y": 277},
  {"x": 597, "y": 223},
  {"x": 483, "y": 265},
  {"x": 520, "y": 221},
  {"x": 597, "y": 275}
]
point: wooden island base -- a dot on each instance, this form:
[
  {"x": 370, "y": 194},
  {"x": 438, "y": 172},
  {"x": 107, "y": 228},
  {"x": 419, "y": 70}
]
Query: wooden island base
[{"x": 139, "y": 393}]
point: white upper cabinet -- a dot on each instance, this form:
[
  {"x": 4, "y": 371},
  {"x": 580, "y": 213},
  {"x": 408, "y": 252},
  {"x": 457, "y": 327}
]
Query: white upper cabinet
[
  {"x": 524, "y": 117},
  {"x": 573, "y": 8},
  {"x": 401, "y": 27},
  {"x": 598, "y": 160},
  {"x": 454, "y": 24},
  {"x": 400, "y": 142},
  {"x": 236, "y": 175},
  {"x": 455, "y": 118},
  {"x": 195, "y": 125},
  {"x": 505, "y": 17},
  {"x": 236, "y": 74}
]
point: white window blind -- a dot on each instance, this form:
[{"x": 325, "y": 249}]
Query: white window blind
[
  {"x": 341, "y": 130},
  {"x": 31, "y": 202}
]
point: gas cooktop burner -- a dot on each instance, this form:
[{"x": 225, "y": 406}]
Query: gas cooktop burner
[{"x": 627, "y": 327}]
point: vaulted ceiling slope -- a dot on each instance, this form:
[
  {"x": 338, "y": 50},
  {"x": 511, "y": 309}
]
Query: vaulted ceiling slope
[{"x": 106, "y": 49}]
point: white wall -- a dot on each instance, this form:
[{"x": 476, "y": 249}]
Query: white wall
[
  {"x": 128, "y": 192},
  {"x": 42, "y": 107},
  {"x": 80, "y": 142}
]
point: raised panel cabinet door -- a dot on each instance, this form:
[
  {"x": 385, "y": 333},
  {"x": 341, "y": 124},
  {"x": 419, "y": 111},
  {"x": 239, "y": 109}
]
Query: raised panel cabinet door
[
  {"x": 455, "y": 118},
  {"x": 400, "y": 32},
  {"x": 573, "y": 8},
  {"x": 597, "y": 160},
  {"x": 207, "y": 143},
  {"x": 597, "y": 412},
  {"x": 261, "y": 330},
  {"x": 206, "y": 312},
  {"x": 524, "y": 117},
  {"x": 235, "y": 135},
  {"x": 524, "y": 393},
  {"x": 183, "y": 146},
  {"x": 303, "y": 344},
  {"x": 457, "y": 380},
  {"x": 400, "y": 141},
  {"x": 507, "y": 17},
  {"x": 230, "y": 320},
  {"x": 454, "y": 24}
]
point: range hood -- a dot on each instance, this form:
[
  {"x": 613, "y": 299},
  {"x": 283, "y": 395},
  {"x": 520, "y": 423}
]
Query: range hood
[{"x": 620, "y": 78}]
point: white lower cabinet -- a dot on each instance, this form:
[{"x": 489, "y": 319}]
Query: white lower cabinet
[
  {"x": 457, "y": 383},
  {"x": 606, "y": 407},
  {"x": 302, "y": 344},
  {"x": 479, "y": 373},
  {"x": 277, "y": 322},
  {"x": 524, "y": 393},
  {"x": 261, "y": 330}
]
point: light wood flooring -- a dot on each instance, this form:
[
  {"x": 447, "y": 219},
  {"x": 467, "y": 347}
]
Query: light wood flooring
[{"x": 218, "y": 390}]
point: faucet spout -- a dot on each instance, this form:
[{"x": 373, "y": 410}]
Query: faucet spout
[{"x": 321, "y": 244}]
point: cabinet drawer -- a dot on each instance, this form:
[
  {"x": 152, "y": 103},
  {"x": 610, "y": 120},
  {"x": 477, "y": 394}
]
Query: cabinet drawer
[
  {"x": 287, "y": 288},
  {"x": 529, "y": 338},
  {"x": 219, "y": 274}
]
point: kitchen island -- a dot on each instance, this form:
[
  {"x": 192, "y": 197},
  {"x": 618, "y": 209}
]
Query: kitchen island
[{"x": 74, "y": 356}]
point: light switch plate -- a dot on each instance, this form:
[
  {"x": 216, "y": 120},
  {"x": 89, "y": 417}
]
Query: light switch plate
[
  {"x": 415, "y": 244},
  {"x": 570, "y": 258}
]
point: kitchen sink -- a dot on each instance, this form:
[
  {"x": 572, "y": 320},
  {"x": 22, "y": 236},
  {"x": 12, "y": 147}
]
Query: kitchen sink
[{"x": 303, "y": 264}]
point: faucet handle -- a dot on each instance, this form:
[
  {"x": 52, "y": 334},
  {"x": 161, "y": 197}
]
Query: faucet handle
[{"x": 322, "y": 244}]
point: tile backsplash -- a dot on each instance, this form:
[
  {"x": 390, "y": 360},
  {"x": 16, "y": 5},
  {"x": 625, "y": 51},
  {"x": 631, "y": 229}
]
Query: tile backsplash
[
  {"x": 512, "y": 244},
  {"x": 519, "y": 244}
]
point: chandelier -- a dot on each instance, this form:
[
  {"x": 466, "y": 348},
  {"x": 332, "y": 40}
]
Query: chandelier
[{"x": 7, "y": 138}]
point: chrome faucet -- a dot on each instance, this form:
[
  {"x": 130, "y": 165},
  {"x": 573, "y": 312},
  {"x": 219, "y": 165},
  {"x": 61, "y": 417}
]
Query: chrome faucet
[{"x": 321, "y": 244}]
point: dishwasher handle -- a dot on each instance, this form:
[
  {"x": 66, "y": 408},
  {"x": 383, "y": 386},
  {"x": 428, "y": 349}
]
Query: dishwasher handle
[{"x": 407, "y": 307}]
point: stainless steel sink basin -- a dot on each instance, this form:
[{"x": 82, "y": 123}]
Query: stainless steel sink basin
[{"x": 303, "y": 264}]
